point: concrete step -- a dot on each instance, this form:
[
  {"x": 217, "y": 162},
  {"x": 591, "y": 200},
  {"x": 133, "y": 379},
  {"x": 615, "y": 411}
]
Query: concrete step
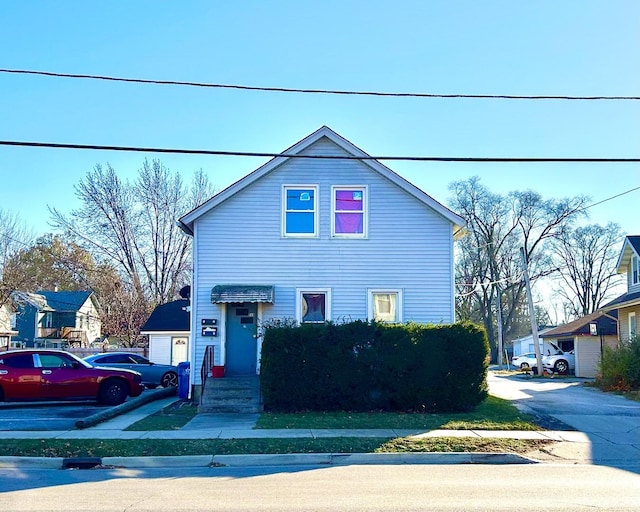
[{"x": 231, "y": 394}]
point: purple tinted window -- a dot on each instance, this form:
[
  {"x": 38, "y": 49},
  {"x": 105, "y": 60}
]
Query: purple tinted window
[{"x": 349, "y": 212}]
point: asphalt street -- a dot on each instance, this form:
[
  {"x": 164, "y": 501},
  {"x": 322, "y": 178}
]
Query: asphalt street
[{"x": 401, "y": 488}]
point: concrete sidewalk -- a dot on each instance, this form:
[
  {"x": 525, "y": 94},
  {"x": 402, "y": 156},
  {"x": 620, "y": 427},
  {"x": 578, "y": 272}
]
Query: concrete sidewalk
[{"x": 568, "y": 447}]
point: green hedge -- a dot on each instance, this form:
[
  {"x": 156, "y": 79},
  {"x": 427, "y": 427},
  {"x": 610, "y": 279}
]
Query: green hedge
[
  {"x": 362, "y": 366},
  {"x": 620, "y": 367}
]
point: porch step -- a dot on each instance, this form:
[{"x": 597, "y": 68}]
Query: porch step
[{"x": 231, "y": 394}]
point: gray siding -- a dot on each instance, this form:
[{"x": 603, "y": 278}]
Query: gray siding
[{"x": 409, "y": 247}]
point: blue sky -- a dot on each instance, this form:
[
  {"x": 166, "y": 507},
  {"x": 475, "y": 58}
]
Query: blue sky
[{"x": 568, "y": 47}]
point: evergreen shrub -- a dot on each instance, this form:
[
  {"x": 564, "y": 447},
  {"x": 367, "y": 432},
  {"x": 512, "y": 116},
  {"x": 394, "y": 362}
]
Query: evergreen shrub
[{"x": 364, "y": 366}]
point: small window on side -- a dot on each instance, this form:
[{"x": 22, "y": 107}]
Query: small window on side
[
  {"x": 385, "y": 306},
  {"x": 313, "y": 306}
]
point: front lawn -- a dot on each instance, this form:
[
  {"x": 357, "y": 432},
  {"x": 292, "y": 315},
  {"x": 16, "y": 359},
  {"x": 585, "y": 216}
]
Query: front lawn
[{"x": 492, "y": 414}]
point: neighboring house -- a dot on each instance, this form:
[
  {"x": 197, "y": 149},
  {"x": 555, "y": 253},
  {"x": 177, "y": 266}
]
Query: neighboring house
[
  {"x": 586, "y": 337},
  {"x": 525, "y": 344},
  {"x": 7, "y": 324},
  {"x": 168, "y": 330},
  {"x": 315, "y": 240},
  {"x": 628, "y": 304},
  {"x": 57, "y": 319}
]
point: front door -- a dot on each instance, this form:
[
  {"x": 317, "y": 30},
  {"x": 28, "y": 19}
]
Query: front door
[{"x": 242, "y": 339}]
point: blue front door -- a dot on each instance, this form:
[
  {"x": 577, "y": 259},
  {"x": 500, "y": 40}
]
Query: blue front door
[{"x": 242, "y": 339}]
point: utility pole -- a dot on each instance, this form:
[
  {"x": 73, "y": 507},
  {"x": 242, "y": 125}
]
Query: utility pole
[
  {"x": 499, "y": 322},
  {"x": 532, "y": 313}
]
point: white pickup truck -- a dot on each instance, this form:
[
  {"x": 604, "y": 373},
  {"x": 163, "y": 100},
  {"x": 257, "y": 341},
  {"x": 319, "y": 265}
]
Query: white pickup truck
[{"x": 559, "y": 362}]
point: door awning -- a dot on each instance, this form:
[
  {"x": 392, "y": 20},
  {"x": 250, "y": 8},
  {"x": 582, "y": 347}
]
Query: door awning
[{"x": 224, "y": 293}]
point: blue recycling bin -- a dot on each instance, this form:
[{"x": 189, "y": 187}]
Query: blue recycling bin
[{"x": 184, "y": 371}]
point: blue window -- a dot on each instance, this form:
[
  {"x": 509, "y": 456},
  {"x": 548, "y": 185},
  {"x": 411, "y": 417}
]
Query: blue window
[{"x": 300, "y": 215}]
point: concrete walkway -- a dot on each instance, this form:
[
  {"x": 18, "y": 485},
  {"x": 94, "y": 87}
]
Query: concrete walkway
[{"x": 569, "y": 446}]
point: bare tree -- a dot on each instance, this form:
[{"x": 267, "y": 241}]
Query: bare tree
[
  {"x": 587, "y": 259},
  {"x": 488, "y": 260},
  {"x": 14, "y": 237},
  {"x": 133, "y": 226}
]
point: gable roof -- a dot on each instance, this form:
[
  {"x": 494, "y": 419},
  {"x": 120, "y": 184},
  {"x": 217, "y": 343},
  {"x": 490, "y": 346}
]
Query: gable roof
[
  {"x": 65, "y": 301},
  {"x": 631, "y": 245},
  {"x": 606, "y": 325},
  {"x": 625, "y": 300},
  {"x": 187, "y": 220},
  {"x": 170, "y": 317}
]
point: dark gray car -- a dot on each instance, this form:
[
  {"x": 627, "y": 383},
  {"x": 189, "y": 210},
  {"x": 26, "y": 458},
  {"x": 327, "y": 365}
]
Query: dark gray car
[{"x": 153, "y": 374}]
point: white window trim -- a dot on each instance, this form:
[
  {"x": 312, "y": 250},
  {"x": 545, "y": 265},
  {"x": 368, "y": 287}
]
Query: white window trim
[
  {"x": 365, "y": 211},
  {"x": 372, "y": 291},
  {"x": 635, "y": 279},
  {"x": 316, "y": 210},
  {"x": 632, "y": 314},
  {"x": 327, "y": 306}
]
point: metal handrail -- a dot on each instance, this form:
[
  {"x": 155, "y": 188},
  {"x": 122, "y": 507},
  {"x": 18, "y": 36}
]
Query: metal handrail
[{"x": 207, "y": 364}]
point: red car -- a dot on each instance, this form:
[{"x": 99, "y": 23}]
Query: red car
[{"x": 35, "y": 375}]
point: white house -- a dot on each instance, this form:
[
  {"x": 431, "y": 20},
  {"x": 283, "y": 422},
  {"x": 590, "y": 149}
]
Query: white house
[
  {"x": 315, "y": 239},
  {"x": 525, "y": 345},
  {"x": 7, "y": 322},
  {"x": 168, "y": 331}
]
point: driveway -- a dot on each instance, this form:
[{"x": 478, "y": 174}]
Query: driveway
[
  {"x": 45, "y": 416},
  {"x": 611, "y": 422}
]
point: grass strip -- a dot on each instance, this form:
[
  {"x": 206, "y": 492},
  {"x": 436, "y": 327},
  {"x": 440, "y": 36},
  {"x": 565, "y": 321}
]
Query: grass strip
[
  {"x": 172, "y": 417},
  {"x": 175, "y": 447},
  {"x": 492, "y": 414}
]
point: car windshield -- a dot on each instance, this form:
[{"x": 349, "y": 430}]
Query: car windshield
[
  {"x": 79, "y": 360},
  {"x": 555, "y": 351}
]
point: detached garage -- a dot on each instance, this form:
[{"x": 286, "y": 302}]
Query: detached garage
[
  {"x": 168, "y": 331},
  {"x": 586, "y": 337}
]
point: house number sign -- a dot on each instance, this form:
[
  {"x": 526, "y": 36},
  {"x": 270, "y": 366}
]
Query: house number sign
[{"x": 209, "y": 327}]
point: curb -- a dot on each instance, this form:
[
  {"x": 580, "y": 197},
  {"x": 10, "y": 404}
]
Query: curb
[
  {"x": 127, "y": 406},
  {"x": 285, "y": 459}
]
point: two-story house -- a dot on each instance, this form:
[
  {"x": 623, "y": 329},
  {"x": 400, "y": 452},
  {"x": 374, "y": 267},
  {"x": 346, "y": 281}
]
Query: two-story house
[
  {"x": 7, "y": 321},
  {"x": 323, "y": 233},
  {"x": 57, "y": 319},
  {"x": 628, "y": 304}
]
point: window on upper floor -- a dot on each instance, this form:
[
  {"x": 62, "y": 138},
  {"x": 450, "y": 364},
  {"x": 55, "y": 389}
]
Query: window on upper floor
[
  {"x": 385, "y": 305},
  {"x": 635, "y": 271},
  {"x": 349, "y": 211},
  {"x": 300, "y": 211},
  {"x": 313, "y": 306}
]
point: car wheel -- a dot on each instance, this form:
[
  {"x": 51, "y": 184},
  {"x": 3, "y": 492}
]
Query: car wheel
[
  {"x": 112, "y": 392},
  {"x": 534, "y": 370},
  {"x": 561, "y": 366},
  {"x": 524, "y": 366},
  {"x": 169, "y": 379}
]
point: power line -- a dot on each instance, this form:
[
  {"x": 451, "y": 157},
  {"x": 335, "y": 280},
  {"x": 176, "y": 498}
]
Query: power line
[
  {"x": 315, "y": 91},
  {"x": 608, "y": 199},
  {"x": 320, "y": 157}
]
